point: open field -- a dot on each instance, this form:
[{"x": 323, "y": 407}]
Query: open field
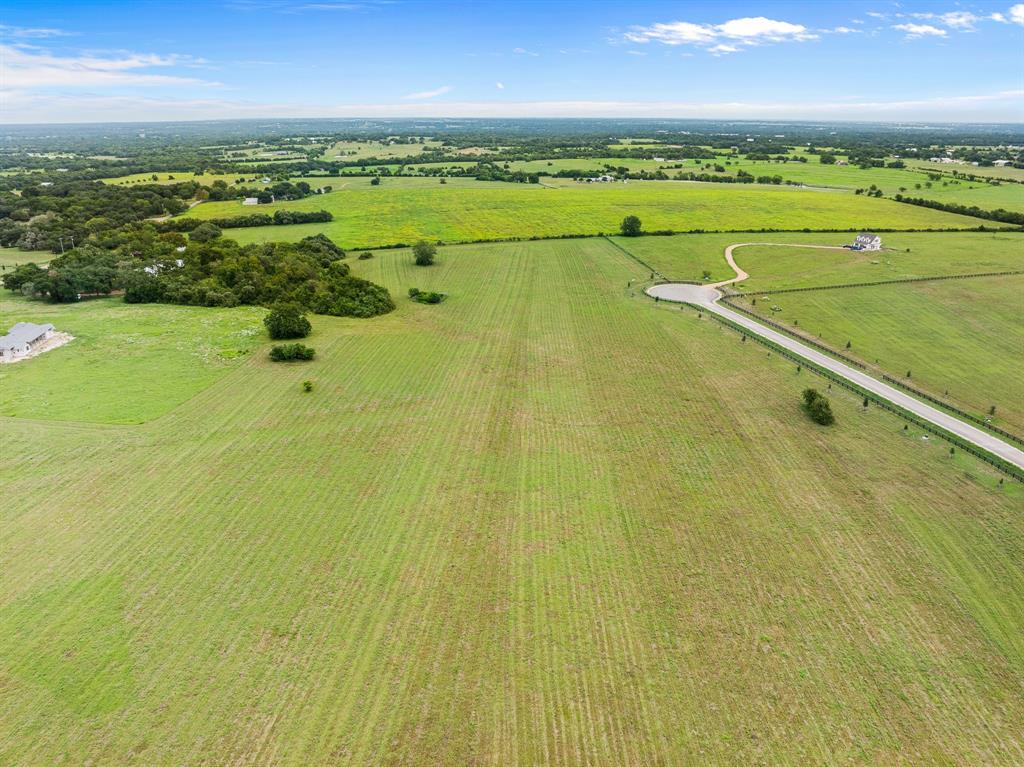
[
  {"x": 129, "y": 363},
  {"x": 958, "y": 336},
  {"x": 366, "y": 216},
  {"x": 164, "y": 177},
  {"x": 978, "y": 170},
  {"x": 686, "y": 256},
  {"x": 545, "y": 522},
  {"x": 357, "y": 150},
  {"x": 11, "y": 257}
]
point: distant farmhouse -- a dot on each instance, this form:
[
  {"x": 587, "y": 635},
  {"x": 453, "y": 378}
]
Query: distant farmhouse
[
  {"x": 23, "y": 338},
  {"x": 867, "y": 241},
  {"x": 251, "y": 201}
]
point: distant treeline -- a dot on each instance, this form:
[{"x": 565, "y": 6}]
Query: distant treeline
[
  {"x": 280, "y": 218},
  {"x": 1006, "y": 216}
]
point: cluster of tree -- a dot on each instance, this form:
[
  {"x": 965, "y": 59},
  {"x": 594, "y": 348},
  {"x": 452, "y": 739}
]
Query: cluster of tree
[
  {"x": 53, "y": 217},
  {"x": 631, "y": 226},
  {"x": 486, "y": 171},
  {"x": 999, "y": 214},
  {"x": 818, "y": 408},
  {"x": 280, "y": 218},
  {"x": 149, "y": 267},
  {"x": 291, "y": 352}
]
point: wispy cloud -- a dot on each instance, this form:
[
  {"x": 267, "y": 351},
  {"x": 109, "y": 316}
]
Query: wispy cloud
[
  {"x": 420, "y": 95},
  {"x": 22, "y": 33},
  {"x": 524, "y": 52},
  {"x": 30, "y": 67},
  {"x": 1016, "y": 14},
  {"x": 500, "y": 86},
  {"x": 920, "y": 30},
  {"x": 721, "y": 38}
]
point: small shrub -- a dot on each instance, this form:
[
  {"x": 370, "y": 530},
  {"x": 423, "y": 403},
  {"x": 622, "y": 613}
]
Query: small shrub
[
  {"x": 291, "y": 352},
  {"x": 365, "y": 256},
  {"x": 413, "y": 292},
  {"x": 307, "y": 386}
]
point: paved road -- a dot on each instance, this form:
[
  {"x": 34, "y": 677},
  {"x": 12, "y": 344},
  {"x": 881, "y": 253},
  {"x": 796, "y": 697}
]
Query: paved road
[{"x": 706, "y": 297}]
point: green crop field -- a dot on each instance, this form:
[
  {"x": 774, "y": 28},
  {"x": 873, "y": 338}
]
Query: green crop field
[
  {"x": 366, "y": 215},
  {"x": 960, "y": 339},
  {"x": 978, "y": 170},
  {"x": 547, "y": 521},
  {"x": 129, "y": 363}
]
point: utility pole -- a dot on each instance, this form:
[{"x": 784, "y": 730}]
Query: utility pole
[{"x": 61, "y": 245}]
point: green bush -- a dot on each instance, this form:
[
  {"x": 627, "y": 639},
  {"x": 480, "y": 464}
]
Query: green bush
[
  {"x": 631, "y": 226},
  {"x": 818, "y": 407},
  {"x": 287, "y": 321},
  {"x": 290, "y": 352}
]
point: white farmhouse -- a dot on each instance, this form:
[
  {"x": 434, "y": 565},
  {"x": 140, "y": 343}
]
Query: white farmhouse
[
  {"x": 251, "y": 201},
  {"x": 867, "y": 241},
  {"x": 23, "y": 338}
]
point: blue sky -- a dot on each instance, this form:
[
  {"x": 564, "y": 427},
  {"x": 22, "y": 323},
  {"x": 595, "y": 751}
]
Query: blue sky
[{"x": 80, "y": 60}]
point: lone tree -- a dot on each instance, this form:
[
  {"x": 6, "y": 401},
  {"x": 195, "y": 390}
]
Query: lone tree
[
  {"x": 630, "y": 226},
  {"x": 287, "y": 321},
  {"x": 424, "y": 253},
  {"x": 818, "y": 407}
]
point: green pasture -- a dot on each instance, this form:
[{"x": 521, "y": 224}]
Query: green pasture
[
  {"x": 959, "y": 339},
  {"x": 545, "y": 522}
]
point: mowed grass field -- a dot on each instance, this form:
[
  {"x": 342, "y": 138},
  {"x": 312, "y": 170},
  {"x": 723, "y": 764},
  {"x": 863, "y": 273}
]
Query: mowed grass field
[
  {"x": 128, "y": 363},
  {"x": 545, "y": 522},
  {"x": 907, "y": 255},
  {"x": 365, "y": 216},
  {"x": 960, "y": 339}
]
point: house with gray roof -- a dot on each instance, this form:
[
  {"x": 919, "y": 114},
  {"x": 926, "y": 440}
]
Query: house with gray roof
[
  {"x": 867, "y": 241},
  {"x": 23, "y": 338}
]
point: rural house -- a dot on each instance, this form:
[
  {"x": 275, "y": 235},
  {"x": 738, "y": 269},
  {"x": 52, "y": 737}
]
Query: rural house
[
  {"x": 23, "y": 338},
  {"x": 251, "y": 201},
  {"x": 867, "y": 241}
]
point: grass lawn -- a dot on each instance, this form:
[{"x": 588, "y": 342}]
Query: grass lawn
[
  {"x": 958, "y": 336},
  {"x": 366, "y": 216},
  {"x": 545, "y": 522},
  {"x": 11, "y": 257},
  {"x": 128, "y": 363},
  {"x": 357, "y": 150}
]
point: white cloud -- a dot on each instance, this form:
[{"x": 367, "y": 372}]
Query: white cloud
[
  {"x": 524, "y": 52},
  {"x": 721, "y": 38},
  {"x": 877, "y": 15},
  {"x": 674, "y": 33},
  {"x": 1000, "y": 18},
  {"x": 637, "y": 53},
  {"x": 920, "y": 30},
  {"x": 959, "y": 19},
  {"x": 844, "y": 31},
  {"x": 500, "y": 86},
  {"x": 1017, "y": 13},
  {"x": 22, "y": 67},
  {"x": 428, "y": 94},
  {"x": 27, "y": 107}
]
